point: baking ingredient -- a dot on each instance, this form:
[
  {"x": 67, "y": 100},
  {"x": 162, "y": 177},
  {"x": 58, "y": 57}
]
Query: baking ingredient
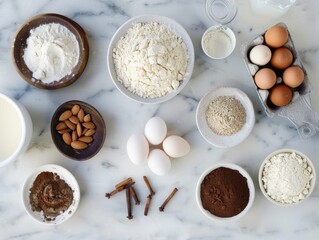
[
  {"x": 225, "y": 115},
  {"x": 217, "y": 44},
  {"x": 293, "y": 76},
  {"x": 150, "y": 60},
  {"x": 224, "y": 192},
  {"x": 11, "y": 136},
  {"x": 265, "y": 78},
  {"x": 276, "y": 36},
  {"x": 52, "y": 52},
  {"x": 281, "y": 58},
  {"x": 260, "y": 55},
  {"x": 280, "y": 95},
  {"x": 155, "y": 130},
  {"x": 75, "y": 131},
  {"x": 51, "y": 195},
  {"x": 148, "y": 185},
  {"x": 286, "y": 177},
  {"x": 159, "y": 162},
  {"x": 162, "y": 207},
  {"x": 176, "y": 146},
  {"x": 137, "y": 149}
]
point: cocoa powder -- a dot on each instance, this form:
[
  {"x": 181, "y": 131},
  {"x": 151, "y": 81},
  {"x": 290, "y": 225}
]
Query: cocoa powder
[
  {"x": 51, "y": 195},
  {"x": 224, "y": 192}
]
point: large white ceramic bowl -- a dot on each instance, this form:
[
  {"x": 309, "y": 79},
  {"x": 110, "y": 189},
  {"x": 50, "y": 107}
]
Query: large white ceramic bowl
[
  {"x": 26, "y": 126},
  {"x": 286, "y": 150},
  {"x": 63, "y": 174},
  {"x": 175, "y": 28},
  {"x": 250, "y": 184},
  {"x": 218, "y": 140}
]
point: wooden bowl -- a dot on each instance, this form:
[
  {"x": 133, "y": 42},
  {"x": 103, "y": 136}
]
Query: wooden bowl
[
  {"x": 20, "y": 43},
  {"x": 98, "y": 138}
]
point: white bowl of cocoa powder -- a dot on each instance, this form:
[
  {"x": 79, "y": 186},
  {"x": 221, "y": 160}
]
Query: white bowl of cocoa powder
[{"x": 51, "y": 194}]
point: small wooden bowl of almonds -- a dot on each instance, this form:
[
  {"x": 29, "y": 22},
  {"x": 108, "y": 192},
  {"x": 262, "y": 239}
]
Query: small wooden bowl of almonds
[{"x": 78, "y": 130}]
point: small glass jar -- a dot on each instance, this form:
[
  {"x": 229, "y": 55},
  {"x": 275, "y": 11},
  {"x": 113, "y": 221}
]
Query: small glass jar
[{"x": 221, "y": 11}]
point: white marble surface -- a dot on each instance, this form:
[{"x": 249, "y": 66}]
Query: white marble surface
[{"x": 100, "y": 218}]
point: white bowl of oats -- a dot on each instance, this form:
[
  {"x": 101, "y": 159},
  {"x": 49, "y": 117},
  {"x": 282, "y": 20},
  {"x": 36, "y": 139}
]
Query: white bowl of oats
[
  {"x": 225, "y": 117},
  {"x": 150, "y": 58}
]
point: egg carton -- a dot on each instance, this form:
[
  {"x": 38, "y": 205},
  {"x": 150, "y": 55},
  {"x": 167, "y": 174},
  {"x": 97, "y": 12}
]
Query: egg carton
[{"x": 298, "y": 111}]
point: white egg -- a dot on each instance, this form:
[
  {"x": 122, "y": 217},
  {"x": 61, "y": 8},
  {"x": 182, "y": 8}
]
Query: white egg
[
  {"x": 159, "y": 162},
  {"x": 155, "y": 130},
  {"x": 176, "y": 146},
  {"x": 137, "y": 149},
  {"x": 260, "y": 55}
]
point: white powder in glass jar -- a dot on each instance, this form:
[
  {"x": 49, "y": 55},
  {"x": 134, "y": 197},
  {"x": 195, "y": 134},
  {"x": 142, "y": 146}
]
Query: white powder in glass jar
[
  {"x": 52, "y": 52},
  {"x": 150, "y": 60}
]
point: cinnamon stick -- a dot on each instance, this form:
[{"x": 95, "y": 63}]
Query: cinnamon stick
[
  {"x": 161, "y": 208},
  {"x": 152, "y": 193}
]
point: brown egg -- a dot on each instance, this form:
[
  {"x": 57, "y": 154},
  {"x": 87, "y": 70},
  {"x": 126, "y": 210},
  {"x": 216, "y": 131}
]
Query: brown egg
[
  {"x": 293, "y": 76},
  {"x": 280, "y": 95},
  {"x": 276, "y": 36},
  {"x": 281, "y": 58},
  {"x": 265, "y": 78}
]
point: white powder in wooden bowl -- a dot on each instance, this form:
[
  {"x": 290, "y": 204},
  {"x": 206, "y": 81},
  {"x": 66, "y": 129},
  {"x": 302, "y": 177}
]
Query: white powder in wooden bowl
[{"x": 52, "y": 52}]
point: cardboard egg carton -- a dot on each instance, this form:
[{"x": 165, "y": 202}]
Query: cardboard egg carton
[{"x": 298, "y": 111}]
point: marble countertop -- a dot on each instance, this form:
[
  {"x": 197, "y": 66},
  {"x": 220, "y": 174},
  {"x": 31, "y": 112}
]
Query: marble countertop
[{"x": 100, "y": 218}]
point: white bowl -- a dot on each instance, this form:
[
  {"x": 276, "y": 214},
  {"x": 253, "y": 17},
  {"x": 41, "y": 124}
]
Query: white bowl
[
  {"x": 225, "y": 30},
  {"x": 250, "y": 186},
  {"x": 208, "y": 134},
  {"x": 175, "y": 28},
  {"x": 286, "y": 150},
  {"x": 25, "y": 122},
  {"x": 68, "y": 178}
]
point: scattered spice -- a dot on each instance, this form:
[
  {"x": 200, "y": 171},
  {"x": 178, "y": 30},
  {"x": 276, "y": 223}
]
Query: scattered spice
[
  {"x": 224, "y": 192},
  {"x": 161, "y": 208},
  {"x": 127, "y": 185},
  {"x": 128, "y": 203},
  {"x": 152, "y": 193},
  {"x": 135, "y": 197},
  {"x": 51, "y": 195},
  {"x": 225, "y": 115},
  {"x": 147, "y": 205}
]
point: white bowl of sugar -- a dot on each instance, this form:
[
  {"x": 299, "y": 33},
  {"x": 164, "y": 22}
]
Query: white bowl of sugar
[{"x": 15, "y": 127}]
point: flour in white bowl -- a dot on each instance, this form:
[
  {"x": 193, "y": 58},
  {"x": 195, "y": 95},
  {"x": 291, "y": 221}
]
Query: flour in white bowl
[
  {"x": 150, "y": 60},
  {"x": 52, "y": 52},
  {"x": 286, "y": 177}
]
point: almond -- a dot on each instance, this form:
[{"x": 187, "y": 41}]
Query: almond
[
  {"x": 78, "y": 145},
  {"x": 61, "y": 126},
  {"x": 70, "y": 125},
  {"x": 87, "y": 118},
  {"x": 89, "y": 133},
  {"x": 74, "y": 119},
  {"x": 86, "y": 139},
  {"x": 79, "y": 129},
  {"x": 75, "y": 109},
  {"x": 84, "y": 131},
  {"x": 74, "y": 136},
  {"x": 66, "y": 138},
  {"x": 65, "y": 115},
  {"x": 64, "y": 130},
  {"x": 88, "y": 125},
  {"x": 81, "y": 115}
]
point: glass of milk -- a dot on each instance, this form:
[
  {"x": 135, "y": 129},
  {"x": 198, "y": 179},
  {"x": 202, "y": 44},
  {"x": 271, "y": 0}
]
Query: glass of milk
[
  {"x": 271, "y": 8},
  {"x": 15, "y": 127}
]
